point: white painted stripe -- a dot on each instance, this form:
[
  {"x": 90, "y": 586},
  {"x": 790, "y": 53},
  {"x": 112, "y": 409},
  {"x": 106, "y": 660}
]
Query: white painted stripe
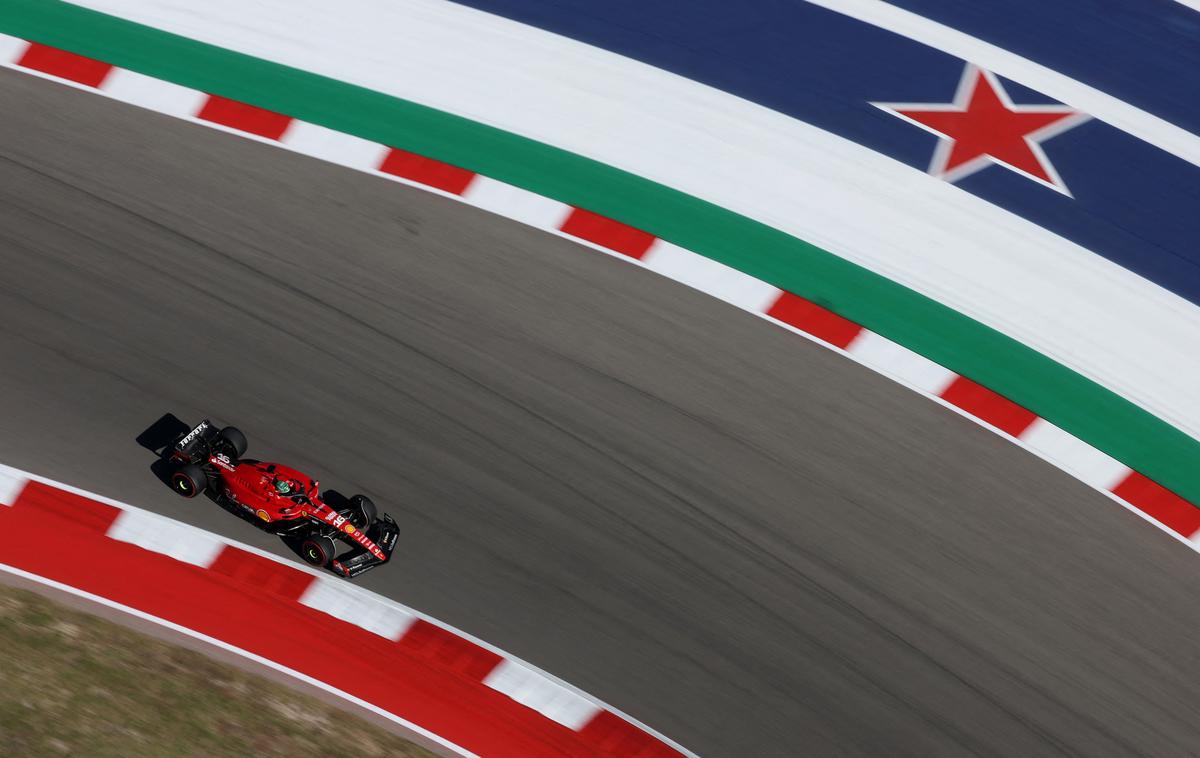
[
  {"x": 1111, "y": 110},
  {"x": 1193, "y": 4},
  {"x": 710, "y": 277},
  {"x": 899, "y": 362},
  {"x": 167, "y": 536},
  {"x": 12, "y": 482},
  {"x": 335, "y": 147},
  {"x": 1073, "y": 306},
  {"x": 531, "y": 689},
  {"x": 154, "y": 94},
  {"x": 420, "y": 732},
  {"x": 345, "y": 602},
  {"x": 11, "y": 48},
  {"x": 1073, "y": 455},
  {"x": 516, "y": 203}
]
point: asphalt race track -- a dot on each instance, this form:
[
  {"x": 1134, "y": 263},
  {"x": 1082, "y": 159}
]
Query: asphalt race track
[{"x": 735, "y": 535}]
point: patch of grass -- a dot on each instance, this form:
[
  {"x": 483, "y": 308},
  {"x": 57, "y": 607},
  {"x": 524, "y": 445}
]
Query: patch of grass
[{"x": 76, "y": 684}]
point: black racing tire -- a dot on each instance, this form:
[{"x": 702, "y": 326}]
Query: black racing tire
[
  {"x": 188, "y": 480},
  {"x": 318, "y": 550},
  {"x": 364, "y": 513},
  {"x": 235, "y": 439}
]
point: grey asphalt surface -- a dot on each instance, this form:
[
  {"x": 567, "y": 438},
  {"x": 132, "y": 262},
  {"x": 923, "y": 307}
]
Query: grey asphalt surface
[{"x": 734, "y": 535}]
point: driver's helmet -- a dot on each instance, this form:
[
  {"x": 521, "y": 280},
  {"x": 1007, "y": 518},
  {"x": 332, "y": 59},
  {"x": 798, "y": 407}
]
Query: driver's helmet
[{"x": 284, "y": 487}]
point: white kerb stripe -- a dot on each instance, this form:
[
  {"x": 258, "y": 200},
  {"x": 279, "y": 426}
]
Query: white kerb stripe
[
  {"x": 516, "y": 203},
  {"x": 11, "y": 48},
  {"x": 335, "y": 147},
  {"x": 710, "y": 277},
  {"x": 370, "y": 612},
  {"x": 1113, "y": 111},
  {"x": 167, "y": 536},
  {"x": 153, "y": 94},
  {"x": 11, "y": 484},
  {"x": 533, "y": 690},
  {"x": 1073, "y": 455},
  {"x": 899, "y": 362}
]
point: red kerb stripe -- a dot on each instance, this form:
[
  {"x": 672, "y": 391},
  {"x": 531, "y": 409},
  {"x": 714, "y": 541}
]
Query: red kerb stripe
[
  {"x": 64, "y": 65},
  {"x": 982, "y": 403},
  {"x": 79, "y": 510},
  {"x": 244, "y": 117},
  {"x": 606, "y": 232},
  {"x": 427, "y": 171},
  {"x": 615, "y": 736},
  {"x": 449, "y": 650},
  {"x": 1159, "y": 503},
  {"x": 809, "y": 317},
  {"x": 264, "y": 574}
]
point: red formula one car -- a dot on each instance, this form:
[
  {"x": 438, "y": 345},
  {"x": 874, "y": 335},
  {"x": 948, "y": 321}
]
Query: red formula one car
[{"x": 279, "y": 499}]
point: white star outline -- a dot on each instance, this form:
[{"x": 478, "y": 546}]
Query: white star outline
[{"x": 971, "y": 76}]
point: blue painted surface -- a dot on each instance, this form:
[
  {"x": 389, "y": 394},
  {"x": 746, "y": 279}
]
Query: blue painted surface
[{"x": 1134, "y": 204}]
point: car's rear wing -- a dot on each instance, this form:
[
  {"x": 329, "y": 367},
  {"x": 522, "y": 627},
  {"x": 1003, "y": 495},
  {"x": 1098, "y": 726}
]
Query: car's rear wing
[{"x": 196, "y": 443}]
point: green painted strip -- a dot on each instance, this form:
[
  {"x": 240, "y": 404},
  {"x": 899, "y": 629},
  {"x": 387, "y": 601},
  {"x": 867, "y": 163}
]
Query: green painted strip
[{"x": 1081, "y": 407}]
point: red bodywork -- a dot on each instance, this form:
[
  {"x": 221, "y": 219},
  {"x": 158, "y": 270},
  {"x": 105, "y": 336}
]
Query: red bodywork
[{"x": 251, "y": 485}]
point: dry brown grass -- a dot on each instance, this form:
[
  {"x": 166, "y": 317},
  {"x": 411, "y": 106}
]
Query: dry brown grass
[{"x": 75, "y": 684}]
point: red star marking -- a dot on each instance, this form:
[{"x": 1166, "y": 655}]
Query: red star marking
[{"x": 983, "y": 126}]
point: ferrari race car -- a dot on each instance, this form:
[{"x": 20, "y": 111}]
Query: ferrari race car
[{"x": 280, "y": 500}]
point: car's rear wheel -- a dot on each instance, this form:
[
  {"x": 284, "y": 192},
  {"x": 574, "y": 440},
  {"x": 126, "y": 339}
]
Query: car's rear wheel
[
  {"x": 364, "y": 513},
  {"x": 235, "y": 440},
  {"x": 318, "y": 551},
  {"x": 188, "y": 480}
]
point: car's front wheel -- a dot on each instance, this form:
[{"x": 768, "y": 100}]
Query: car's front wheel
[
  {"x": 188, "y": 480},
  {"x": 318, "y": 551}
]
